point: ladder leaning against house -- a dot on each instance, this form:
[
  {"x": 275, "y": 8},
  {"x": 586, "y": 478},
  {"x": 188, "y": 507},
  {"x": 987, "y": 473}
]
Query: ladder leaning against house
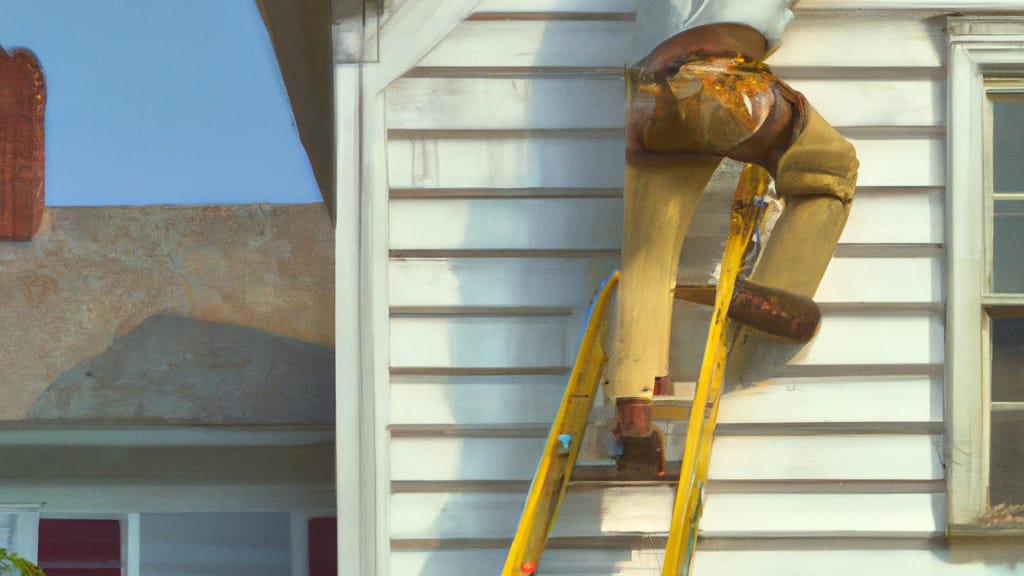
[{"x": 789, "y": 315}]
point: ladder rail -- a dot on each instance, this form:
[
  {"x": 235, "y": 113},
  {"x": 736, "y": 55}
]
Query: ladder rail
[
  {"x": 688, "y": 506},
  {"x": 540, "y": 511}
]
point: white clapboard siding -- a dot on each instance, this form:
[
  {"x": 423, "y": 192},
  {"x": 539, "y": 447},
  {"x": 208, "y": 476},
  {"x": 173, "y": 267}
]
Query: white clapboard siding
[
  {"x": 897, "y": 102},
  {"x": 507, "y": 342},
  {"x": 925, "y": 558},
  {"x": 905, "y": 514},
  {"x": 563, "y": 160},
  {"x": 918, "y": 279},
  {"x": 890, "y": 40},
  {"x": 850, "y": 338},
  {"x": 555, "y": 161},
  {"x": 912, "y": 161},
  {"x": 557, "y": 6},
  {"x": 533, "y": 43},
  {"x": 836, "y": 458},
  {"x": 899, "y": 216},
  {"x": 485, "y": 561},
  {"x": 475, "y": 400},
  {"x": 854, "y": 338},
  {"x": 524, "y": 224},
  {"x": 495, "y": 282},
  {"x": 507, "y": 103},
  {"x": 619, "y": 510},
  {"x": 599, "y": 102},
  {"x": 850, "y": 457},
  {"x": 836, "y": 399},
  {"x": 505, "y": 162},
  {"x": 811, "y": 40},
  {"x": 491, "y": 342},
  {"x": 505, "y": 400},
  {"x": 933, "y": 562},
  {"x": 526, "y": 282}
]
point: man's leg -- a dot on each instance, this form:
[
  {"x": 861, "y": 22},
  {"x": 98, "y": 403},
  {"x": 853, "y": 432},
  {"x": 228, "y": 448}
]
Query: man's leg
[
  {"x": 816, "y": 176},
  {"x": 660, "y": 197}
]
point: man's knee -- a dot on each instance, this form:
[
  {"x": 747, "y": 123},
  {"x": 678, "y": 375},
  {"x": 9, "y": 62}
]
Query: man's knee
[{"x": 821, "y": 162}]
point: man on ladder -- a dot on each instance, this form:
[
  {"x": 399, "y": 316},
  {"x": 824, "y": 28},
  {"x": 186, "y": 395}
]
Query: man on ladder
[{"x": 700, "y": 93}]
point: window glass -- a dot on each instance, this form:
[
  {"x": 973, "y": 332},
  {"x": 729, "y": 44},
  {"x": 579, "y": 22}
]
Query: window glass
[
  {"x": 1006, "y": 474},
  {"x": 1008, "y": 188},
  {"x": 1008, "y": 244},
  {"x": 1008, "y": 360},
  {"x": 1008, "y": 142},
  {"x": 1006, "y": 469}
]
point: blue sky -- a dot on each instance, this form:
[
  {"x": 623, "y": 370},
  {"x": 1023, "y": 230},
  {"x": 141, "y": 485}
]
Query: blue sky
[{"x": 161, "y": 102}]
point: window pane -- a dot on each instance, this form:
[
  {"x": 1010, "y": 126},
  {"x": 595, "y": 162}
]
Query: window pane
[
  {"x": 1008, "y": 143},
  {"x": 1008, "y": 359},
  {"x": 1008, "y": 240},
  {"x": 1006, "y": 468}
]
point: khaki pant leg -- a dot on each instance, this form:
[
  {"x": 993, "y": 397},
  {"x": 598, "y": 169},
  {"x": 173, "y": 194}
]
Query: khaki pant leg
[
  {"x": 817, "y": 177},
  {"x": 659, "y": 201}
]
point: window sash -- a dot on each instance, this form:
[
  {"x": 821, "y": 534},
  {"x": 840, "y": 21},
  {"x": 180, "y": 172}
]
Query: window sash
[
  {"x": 997, "y": 90},
  {"x": 986, "y": 60}
]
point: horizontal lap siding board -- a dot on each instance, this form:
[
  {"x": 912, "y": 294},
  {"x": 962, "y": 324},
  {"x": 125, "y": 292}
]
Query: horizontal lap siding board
[
  {"x": 526, "y": 282},
  {"x": 533, "y": 400},
  {"x": 812, "y": 40},
  {"x": 922, "y": 557},
  {"x": 595, "y": 159},
  {"x": 505, "y": 167},
  {"x": 759, "y": 458},
  {"x": 900, "y": 216},
  {"x": 486, "y": 341},
  {"x": 910, "y": 280},
  {"x": 556, "y": 6},
  {"x": 494, "y": 282},
  {"x": 615, "y": 510},
  {"x": 599, "y": 102}
]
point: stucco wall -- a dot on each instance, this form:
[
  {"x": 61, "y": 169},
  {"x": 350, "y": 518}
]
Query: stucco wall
[{"x": 93, "y": 274}]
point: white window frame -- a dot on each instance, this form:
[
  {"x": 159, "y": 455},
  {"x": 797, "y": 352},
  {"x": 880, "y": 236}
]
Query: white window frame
[
  {"x": 980, "y": 48},
  {"x": 26, "y": 529}
]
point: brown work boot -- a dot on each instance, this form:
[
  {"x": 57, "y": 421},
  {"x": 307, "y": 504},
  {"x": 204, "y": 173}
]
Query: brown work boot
[{"x": 643, "y": 451}]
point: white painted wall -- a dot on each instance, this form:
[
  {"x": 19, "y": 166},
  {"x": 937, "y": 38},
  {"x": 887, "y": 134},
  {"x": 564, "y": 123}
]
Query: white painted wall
[
  {"x": 504, "y": 169},
  {"x": 215, "y": 544}
]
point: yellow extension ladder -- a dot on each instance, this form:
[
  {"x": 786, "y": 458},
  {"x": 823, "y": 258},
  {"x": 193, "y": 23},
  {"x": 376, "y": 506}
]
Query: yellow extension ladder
[{"x": 562, "y": 447}]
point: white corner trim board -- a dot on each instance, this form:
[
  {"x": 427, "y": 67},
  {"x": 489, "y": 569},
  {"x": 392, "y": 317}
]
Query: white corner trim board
[{"x": 408, "y": 29}]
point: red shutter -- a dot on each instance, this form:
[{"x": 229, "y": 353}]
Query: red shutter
[
  {"x": 323, "y": 547},
  {"x": 80, "y": 547}
]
